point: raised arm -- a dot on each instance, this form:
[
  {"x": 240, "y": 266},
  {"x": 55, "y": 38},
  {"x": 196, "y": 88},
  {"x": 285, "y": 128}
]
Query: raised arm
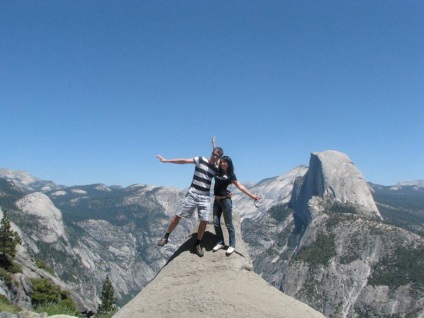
[
  {"x": 213, "y": 143},
  {"x": 178, "y": 161},
  {"x": 243, "y": 189}
]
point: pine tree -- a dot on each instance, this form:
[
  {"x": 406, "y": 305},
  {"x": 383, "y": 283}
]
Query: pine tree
[
  {"x": 8, "y": 240},
  {"x": 107, "y": 298}
]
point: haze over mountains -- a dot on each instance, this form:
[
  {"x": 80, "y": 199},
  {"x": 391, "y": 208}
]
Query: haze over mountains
[{"x": 323, "y": 236}]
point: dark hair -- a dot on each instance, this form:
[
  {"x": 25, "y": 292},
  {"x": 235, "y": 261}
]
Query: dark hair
[
  {"x": 230, "y": 169},
  {"x": 220, "y": 150}
]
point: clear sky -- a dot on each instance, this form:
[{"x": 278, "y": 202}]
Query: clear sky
[{"x": 91, "y": 91}]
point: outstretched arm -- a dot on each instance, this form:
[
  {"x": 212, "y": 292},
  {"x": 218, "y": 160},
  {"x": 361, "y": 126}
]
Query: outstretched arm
[
  {"x": 179, "y": 161},
  {"x": 243, "y": 189},
  {"x": 213, "y": 143}
]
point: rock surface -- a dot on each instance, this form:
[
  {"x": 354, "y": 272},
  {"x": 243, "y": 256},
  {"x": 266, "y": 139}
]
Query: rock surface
[
  {"x": 50, "y": 218},
  {"x": 215, "y": 285},
  {"x": 330, "y": 248}
]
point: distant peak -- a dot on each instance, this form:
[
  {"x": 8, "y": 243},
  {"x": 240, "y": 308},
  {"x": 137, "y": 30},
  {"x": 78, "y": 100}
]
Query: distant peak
[{"x": 333, "y": 177}]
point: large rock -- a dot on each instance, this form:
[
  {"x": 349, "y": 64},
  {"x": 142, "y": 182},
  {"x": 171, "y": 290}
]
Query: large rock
[
  {"x": 50, "y": 218},
  {"x": 332, "y": 177},
  {"x": 330, "y": 248},
  {"x": 215, "y": 285}
]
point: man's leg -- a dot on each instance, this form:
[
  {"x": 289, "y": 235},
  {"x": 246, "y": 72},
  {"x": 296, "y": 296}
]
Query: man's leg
[
  {"x": 201, "y": 230},
  {"x": 203, "y": 212},
  {"x": 186, "y": 210},
  {"x": 172, "y": 225}
]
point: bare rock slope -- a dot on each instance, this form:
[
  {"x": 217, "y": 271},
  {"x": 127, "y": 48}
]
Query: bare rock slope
[{"x": 215, "y": 285}]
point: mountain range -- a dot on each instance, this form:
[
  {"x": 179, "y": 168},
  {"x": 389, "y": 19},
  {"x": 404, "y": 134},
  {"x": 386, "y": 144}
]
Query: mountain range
[{"x": 323, "y": 235}]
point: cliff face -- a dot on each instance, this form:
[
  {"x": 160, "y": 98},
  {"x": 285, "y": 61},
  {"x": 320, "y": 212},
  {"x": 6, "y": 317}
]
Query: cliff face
[
  {"x": 215, "y": 285},
  {"x": 85, "y": 233},
  {"x": 333, "y": 177},
  {"x": 20, "y": 289},
  {"x": 330, "y": 248},
  {"x": 50, "y": 220}
]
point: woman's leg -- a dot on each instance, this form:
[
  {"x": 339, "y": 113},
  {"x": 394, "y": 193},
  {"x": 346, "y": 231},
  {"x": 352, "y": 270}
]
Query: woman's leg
[
  {"x": 217, "y": 212},
  {"x": 227, "y": 208}
]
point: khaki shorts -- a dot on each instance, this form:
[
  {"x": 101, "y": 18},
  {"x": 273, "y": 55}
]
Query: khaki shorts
[{"x": 192, "y": 201}]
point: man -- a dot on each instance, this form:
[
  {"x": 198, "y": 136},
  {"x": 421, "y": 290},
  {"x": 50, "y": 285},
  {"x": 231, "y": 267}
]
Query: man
[{"x": 198, "y": 196}]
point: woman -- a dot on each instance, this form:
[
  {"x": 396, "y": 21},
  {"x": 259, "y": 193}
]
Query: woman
[{"x": 223, "y": 204}]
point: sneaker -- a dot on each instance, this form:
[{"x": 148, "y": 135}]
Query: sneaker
[
  {"x": 230, "y": 250},
  {"x": 198, "y": 250},
  {"x": 218, "y": 246},
  {"x": 162, "y": 241}
]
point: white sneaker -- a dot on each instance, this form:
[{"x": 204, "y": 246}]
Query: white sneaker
[
  {"x": 218, "y": 246},
  {"x": 230, "y": 250}
]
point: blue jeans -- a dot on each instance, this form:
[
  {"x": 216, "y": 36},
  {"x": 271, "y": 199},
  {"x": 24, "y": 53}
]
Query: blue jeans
[{"x": 224, "y": 207}]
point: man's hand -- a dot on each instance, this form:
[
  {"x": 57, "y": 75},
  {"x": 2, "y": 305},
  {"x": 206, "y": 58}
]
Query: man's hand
[
  {"x": 178, "y": 161},
  {"x": 162, "y": 159}
]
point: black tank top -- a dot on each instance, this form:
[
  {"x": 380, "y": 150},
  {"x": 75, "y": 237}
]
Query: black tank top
[{"x": 221, "y": 185}]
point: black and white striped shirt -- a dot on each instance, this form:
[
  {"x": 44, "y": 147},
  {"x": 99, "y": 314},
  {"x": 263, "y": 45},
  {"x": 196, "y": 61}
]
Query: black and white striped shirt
[{"x": 203, "y": 174}]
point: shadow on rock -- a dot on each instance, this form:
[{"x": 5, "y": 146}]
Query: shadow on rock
[{"x": 208, "y": 242}]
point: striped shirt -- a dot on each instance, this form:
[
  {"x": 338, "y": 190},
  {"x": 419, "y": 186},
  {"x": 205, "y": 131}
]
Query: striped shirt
[{"x": 203, "y": 175}]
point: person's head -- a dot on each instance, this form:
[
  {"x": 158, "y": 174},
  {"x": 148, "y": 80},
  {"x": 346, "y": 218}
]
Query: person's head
[
  {"x": 226, "y": 166},
  {"x": 217, "y": 153}
]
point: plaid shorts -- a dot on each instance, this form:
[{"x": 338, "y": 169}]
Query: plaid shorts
[{"x": 192, "y": 201}]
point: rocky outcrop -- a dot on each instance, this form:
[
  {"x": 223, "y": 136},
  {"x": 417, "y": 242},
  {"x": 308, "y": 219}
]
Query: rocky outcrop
[
  {"x": 215, "y": 285},
  {"x": 121, "y": 245},
  {"x": 330, "y": 248},
  {"x": 49, "y": 217},
  {"x": 332, "y": 177},
  {"x": 20, "y": 290}
]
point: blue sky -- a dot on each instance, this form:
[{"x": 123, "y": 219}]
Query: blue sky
[{"x": 91, "y": 91}]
